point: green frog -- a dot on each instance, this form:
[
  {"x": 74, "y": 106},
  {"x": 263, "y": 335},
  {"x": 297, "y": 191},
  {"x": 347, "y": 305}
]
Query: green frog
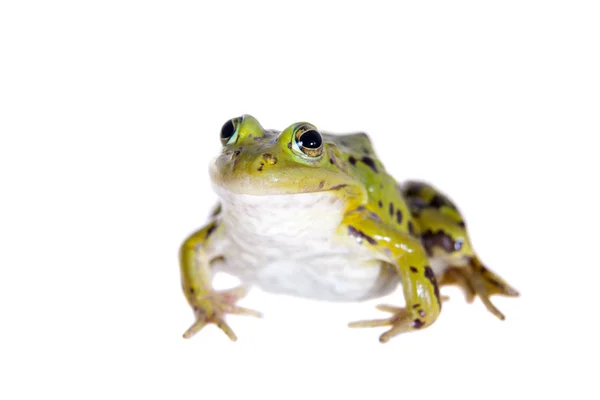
[{"x": 316, "y": 215}]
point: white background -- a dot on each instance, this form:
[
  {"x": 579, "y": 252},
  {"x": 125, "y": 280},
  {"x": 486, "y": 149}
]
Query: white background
[{"x": 110, "y": 113}]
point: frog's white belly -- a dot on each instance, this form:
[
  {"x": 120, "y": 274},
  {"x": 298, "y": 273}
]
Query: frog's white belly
[{"x": 289, "y": 244}]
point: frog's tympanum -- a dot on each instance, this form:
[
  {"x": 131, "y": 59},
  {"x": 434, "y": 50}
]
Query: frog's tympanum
[{"x": 316, "y": 215}]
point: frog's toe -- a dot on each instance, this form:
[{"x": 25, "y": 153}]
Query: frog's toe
[
  {"x": 237, "y": 310},
  {"x": 388, "y": 308},
  {"x": 212, "y": 308},
  {"x": 455, "y": 276},
  {"x": 400, "y": 322},
  {"x": 229, "y": 296},
  {"x": 195, "y": 328},
  {"x": 204, "y": 320},
  {"x": 478, "y": 281},
  {"x": 371, "y": 323}
]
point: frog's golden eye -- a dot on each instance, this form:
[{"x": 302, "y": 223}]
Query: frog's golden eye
[
  {"x": 308, "y": 140},
  {"x": 229, "y": 131}
]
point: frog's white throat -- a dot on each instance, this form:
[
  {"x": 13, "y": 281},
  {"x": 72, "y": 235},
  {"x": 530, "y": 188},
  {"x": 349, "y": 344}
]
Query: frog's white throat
[
  {"x": 293, "y": 220},
  {"x": 293, "y": 244}
]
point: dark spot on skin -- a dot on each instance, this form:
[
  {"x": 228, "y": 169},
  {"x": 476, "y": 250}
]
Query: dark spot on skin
[
  {"x": 352, "y": 160},
  {"x": 262, "y": 165},
  {"x": 370, "y": 163},
  {"x": 431, "y": 276},
  {"x": 234, "y": 156},
  {"x": 210, "y": 230},
  {"x": 495, "y": 283},
  {"x": 250, "y": 136},
  {"x": 462, "y": 224},
  {"x": 438, "y": 201},
  {"x": 429, "y": 273},
  {"x": 289, "y": 145},
  {"x": 217, "y": 210},
  {"x": 192, "y": 291},
  {"x": 366, "y": 150},
  {"x": 413, "y": 270},
  {"x": 399, "y": 216},
  {"x": 440, "y": 239},
  {"x": 414, "y": 189},
  {"x": 380, "y": 204},
  {"x": 335, "y": 161},
  {"x": 422, "y": 313},
  {"x": 417, "y": 204},
  {"x": 360, "y": 236},
  {"x": 374, "y": 216},
  {"x": 416, "y": 306},
  {"x": 391, "y": 209},
  {"x": 411, "y": 228},
  {"x": 321, "y": 184},
  {"x": 269, "y": 158},
  {"x": 418, "y": 324},
  {"x": 338, "y": 187}
]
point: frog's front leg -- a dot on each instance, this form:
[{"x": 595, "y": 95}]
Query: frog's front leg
[
  {"x": 411, "y": 263},
  {"x": 195, "y": 256}
]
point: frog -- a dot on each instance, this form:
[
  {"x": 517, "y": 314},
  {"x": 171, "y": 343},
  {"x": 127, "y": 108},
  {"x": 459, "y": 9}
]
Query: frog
[{"x": 315, "y": 214}]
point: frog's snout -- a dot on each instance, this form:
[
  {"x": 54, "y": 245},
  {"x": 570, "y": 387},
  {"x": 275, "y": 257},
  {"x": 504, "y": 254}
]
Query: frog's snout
[{"x": 250, "y": 162}]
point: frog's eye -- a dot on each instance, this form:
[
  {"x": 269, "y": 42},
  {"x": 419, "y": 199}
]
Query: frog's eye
[
  {"x": 229, "y": 131},
  {"x": 308, "y": 140}
]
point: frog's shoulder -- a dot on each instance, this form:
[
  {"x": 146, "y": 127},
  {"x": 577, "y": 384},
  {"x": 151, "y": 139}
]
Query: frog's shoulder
[{"x": 351, "y": 143}]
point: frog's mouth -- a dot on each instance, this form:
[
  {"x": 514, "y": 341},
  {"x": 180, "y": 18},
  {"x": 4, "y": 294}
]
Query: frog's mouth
[{"x": 286, "y": 179}]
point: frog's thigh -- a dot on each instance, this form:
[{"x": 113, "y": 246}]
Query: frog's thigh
[{"x": 445, "y": 238}]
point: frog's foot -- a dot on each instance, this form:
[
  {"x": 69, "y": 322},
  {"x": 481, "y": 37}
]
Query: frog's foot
[
  {"x": 476, "y": 280},
  {"x": 455, "y": 276},
  {"x": 401, "y": 321},
  {"x": 211, "y": 309}
]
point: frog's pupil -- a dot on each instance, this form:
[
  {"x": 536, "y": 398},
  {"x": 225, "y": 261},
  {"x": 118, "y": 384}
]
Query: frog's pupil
[
  {"x": 227, "y": 130},
  {"x": 311, "y": 140}
]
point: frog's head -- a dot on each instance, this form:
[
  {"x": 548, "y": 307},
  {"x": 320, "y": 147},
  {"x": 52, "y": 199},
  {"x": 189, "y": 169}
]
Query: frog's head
[{"x": 299, "y": 159}]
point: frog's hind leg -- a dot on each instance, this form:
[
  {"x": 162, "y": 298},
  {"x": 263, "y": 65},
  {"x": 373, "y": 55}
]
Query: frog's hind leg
[{"x": 444, "y": 236}]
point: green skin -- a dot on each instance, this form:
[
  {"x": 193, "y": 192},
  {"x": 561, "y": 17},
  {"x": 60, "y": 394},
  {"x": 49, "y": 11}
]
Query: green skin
[{"x": 407, "y": 226}]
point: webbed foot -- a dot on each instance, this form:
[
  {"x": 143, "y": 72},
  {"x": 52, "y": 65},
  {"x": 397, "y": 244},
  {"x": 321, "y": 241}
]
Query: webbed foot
[
  {"x": 211, "y": 309},
  {"x": 477, "y": 281},
  {"x": 401, "y": 321}
]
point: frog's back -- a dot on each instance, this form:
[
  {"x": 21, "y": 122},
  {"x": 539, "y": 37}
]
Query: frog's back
[{"x": 385, "y": 198}]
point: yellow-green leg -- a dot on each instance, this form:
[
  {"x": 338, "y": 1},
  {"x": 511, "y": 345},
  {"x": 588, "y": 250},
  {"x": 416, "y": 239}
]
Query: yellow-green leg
[
  {"x": 209, "y": 306},
  {"x": 411, "y": 263}
]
